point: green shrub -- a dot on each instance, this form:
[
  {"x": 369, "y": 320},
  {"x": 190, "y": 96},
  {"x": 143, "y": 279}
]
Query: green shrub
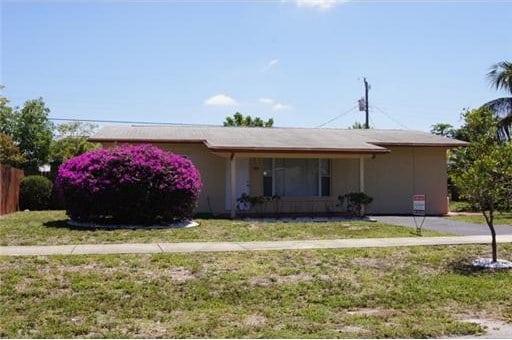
[
  {"x": 35, "y": 193},
  {"x": 129, "y": 184},
  {"x": 355, "y": 202}
]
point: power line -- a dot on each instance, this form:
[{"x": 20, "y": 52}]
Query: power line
[
  {"x": 116, "y": 121},
  {"x": 337, "y": 117},
  {"x": 391, "y": 118}
]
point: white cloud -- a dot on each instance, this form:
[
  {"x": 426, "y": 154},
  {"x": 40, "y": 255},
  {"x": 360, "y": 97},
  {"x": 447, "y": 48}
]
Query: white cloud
[
  {"x": 267, "y": 100},
  {"x": 275, "y": 106},
  {"x": 270, "y": 64},
  {"x": 320, "y": 4},
  {"x": 281, "y": 107},
  {"x": 220, "y": 100}
]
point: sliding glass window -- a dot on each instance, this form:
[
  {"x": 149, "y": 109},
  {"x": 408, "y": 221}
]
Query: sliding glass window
[{"x": 294, "y": 177}]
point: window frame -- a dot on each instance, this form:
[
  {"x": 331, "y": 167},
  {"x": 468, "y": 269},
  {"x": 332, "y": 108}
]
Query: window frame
[
  {"x": 320, "y": 176},
  {"x": 319, "y": 193}
]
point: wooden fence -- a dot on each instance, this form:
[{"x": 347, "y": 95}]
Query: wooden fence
[{"x": 10, "y": 179}]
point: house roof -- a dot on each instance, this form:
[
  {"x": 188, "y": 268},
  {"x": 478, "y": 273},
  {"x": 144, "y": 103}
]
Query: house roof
[{"x": 253, "y": 139}]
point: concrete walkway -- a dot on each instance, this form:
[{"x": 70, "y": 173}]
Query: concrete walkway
[
  {"x": 192, "y": 247},
  {"x": 445, "y": 225}
]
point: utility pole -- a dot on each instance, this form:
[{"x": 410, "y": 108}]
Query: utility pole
[
  {"x": 366, "y": 124},
  {"x": 364, "y": 105}
]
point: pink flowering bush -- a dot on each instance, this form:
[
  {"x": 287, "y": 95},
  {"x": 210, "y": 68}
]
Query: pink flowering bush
[{"x": 129, "y": 184}]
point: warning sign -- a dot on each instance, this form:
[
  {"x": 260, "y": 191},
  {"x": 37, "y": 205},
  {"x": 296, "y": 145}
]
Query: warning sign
[{"x": 418, "y": 205}]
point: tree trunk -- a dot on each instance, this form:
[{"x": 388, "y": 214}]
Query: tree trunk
[
  {"x": 494, "y": 246},
  {"x": 490, "y": 223}
]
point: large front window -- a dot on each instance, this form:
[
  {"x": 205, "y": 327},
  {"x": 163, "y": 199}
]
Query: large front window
[{"x": 293, "y": 177}]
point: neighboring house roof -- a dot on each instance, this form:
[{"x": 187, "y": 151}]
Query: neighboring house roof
[{"x": 254, "y": 139}]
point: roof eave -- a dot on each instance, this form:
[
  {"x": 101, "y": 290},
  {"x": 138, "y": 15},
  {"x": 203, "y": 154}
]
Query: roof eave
[
  {"x": 143, "y": 140},
  {"x": 297, "y": 150},
  {"x": 413, "y": 144}
]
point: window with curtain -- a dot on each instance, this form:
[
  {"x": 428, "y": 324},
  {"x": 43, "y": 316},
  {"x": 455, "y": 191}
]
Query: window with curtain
[{"x": 293, "y": 177}]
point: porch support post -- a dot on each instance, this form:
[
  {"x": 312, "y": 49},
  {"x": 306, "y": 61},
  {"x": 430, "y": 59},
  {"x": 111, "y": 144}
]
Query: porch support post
[
  {"x": 232, "y": 179},
  {"x": 361, "y": 178},
  {"x": 361, "y": 174}
]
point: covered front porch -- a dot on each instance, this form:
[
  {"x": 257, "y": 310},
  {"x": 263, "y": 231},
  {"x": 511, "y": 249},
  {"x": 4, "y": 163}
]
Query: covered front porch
[{"x": 291, "y": 183}]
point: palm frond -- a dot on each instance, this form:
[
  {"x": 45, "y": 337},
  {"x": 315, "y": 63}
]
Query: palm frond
[
  {"x": 500, "y": 76},
  {"x": 502, "y": 108}
]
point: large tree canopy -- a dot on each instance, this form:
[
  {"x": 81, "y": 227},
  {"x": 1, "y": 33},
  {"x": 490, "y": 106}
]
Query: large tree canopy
[
  {"x": 239, "y": 119},
  {"x": 483, "y": 170},
  {"x": 30, "y": 130},
  {"x": 443, "y": 129},
  {"x": 33, "y": 132}
]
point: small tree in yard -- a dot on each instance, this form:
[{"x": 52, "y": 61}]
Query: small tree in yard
[
  {"x": 484, "y": 168},
  {"x": 9, "y": 152},
  {"x": 71, "y": 140}
]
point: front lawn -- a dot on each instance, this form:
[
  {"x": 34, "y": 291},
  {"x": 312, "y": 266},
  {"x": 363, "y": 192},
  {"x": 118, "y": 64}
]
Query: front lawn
[
  {"x": 50, "y": 228},
  {"x": 505, "y": 218},
  {"x": 460, "y": 206},
  {"x": 392, "y": 292}
]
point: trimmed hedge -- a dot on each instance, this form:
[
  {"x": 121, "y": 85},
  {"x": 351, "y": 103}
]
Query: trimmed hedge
[
  {"x": 35, "y": 193},
  {"x": 129, "y": 184}
]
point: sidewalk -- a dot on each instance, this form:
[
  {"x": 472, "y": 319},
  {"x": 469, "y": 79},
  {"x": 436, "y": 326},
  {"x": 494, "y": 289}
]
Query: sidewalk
[{"x": 192, "y": 247}]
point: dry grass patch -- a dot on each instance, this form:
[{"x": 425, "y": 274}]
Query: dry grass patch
[
  {"x": 255, "y": 321},
  {"x": 303, "y": 293},
  {"x": 370, "y": 311}
]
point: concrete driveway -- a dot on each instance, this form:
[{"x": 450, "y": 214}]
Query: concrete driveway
[{"x": 445, "y": 225}]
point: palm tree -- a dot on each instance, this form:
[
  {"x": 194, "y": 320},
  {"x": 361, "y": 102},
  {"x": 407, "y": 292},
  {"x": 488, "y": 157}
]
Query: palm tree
[{"x": 500, "y": 77}]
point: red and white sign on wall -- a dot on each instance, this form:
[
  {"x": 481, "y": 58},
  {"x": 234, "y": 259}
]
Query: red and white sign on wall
[{"x": 418, "y": 205}]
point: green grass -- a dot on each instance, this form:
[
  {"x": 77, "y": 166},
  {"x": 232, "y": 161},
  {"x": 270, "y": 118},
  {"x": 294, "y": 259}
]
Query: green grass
[
  {"x": 505, "y": 218},
  {"x": 461, "y": 206},
  {"x": 50, "y": 228},
  {"x": 393, "y": 292}
]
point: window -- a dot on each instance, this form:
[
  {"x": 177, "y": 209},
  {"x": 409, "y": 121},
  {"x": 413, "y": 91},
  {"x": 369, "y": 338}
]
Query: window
[
  {"x": 267, "y": 177},
  {"x": 292, "y": 177},
  {"x": 325, "y": 177}
]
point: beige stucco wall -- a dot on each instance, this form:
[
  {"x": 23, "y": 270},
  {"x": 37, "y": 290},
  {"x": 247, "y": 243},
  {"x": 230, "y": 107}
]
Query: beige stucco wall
[
  {"x": 391, "y": 179},
  {"x": 344, "y": 176},
  {"x": 394, "y": 178},
  {"x": 212, "y": 169}
]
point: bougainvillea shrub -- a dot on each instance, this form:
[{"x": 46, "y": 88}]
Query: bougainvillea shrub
[{"x": 129, "y": 184}]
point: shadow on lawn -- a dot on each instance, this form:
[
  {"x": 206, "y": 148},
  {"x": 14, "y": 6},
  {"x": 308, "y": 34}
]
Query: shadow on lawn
[
  {"x": 63, "y": 224},
  {"x": 464, "y": 267},
  {"x": 110, "y": 225}
]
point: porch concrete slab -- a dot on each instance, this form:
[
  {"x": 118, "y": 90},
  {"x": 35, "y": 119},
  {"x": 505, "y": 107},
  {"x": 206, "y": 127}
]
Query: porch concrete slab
[
  {"x": 192, "y": 247},
  {"x": 36, "y": 250},
  {"x": 445, "y": 225},
  {"x": 129, "y": 248}
]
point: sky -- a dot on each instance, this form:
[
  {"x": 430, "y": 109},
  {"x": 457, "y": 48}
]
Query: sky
[{"x": 300, "y": 62}]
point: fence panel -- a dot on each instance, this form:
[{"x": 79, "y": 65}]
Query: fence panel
[{"x": 10, "y": 179}]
